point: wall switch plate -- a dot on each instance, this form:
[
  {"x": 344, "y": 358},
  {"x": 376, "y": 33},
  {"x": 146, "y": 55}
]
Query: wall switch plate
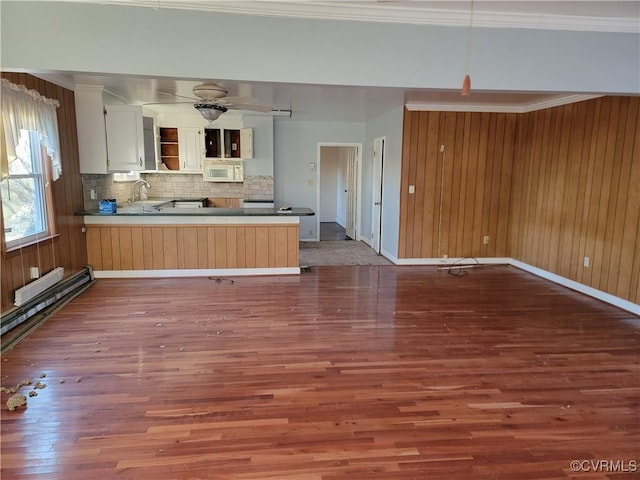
[
  {"x": 34, "y": 272},
  {"x": 412, "y": 189},
  {"x": 485, "y": 240},
  {"x": 93, "y": 194},
  {"x": 586, "y": 262}
]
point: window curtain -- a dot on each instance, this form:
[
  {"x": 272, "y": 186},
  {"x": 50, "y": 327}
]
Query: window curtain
[{"x": 24, "y": 109}]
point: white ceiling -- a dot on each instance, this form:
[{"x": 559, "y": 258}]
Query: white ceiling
[{"x": 350, "y": 103}]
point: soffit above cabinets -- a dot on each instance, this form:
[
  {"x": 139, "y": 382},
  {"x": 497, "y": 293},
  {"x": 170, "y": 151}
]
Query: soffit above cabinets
[{"x": 602, "y": 16}]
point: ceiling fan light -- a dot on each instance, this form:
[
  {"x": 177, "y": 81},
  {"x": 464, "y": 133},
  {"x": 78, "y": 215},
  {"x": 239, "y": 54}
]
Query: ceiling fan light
[{"x": 209, "y": 111}]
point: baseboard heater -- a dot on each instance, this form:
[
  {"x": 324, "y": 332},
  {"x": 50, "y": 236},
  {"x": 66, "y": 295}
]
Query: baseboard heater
[{"x": 44, "y": 296}]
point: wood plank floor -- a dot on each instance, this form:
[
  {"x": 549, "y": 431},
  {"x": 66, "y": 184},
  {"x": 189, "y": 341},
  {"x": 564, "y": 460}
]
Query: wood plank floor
[{"x": 343, "y": 373}]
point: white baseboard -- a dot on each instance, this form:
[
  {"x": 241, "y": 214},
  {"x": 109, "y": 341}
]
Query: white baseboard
[
  {"x": 560, "y": 280},
  {"x": 210, "y": 272},
  {"x": 389, "y": 256},
  {"x": 439, "y": 262},
  {"x": 579, "y": 287}
]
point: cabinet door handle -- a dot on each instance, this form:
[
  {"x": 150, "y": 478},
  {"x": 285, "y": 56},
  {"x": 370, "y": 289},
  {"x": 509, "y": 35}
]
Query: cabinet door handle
[{"x": 140, "y": 161}]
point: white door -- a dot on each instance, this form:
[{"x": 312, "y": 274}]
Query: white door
[
  {"x": 351, "y": 193},
  {"x": 376, "y": 213}
]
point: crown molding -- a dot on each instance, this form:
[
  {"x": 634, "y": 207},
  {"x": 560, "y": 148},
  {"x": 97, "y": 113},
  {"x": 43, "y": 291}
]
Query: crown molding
[
  {"x": 387, "y": 12},
  {"x": 497, "y": 108}
]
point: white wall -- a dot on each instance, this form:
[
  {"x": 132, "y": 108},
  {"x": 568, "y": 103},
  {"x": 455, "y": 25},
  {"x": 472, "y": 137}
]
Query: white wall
[
  {"x": 262, "y": 161},
  {"x": 295, "y": 146},
  {"x": 115, "y": 39}
]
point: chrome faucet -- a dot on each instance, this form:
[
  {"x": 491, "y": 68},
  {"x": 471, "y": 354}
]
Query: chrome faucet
[{"x": 137, "y": 187}]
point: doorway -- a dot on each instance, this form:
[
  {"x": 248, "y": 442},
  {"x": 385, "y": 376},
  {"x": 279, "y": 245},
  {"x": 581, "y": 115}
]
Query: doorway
[{"x": 338, "y": 191}]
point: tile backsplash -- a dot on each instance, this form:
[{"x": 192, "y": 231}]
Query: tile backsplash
[{"x": 254, "y": 187}]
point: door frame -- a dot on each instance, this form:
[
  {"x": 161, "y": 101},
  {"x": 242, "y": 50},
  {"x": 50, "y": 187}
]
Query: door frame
[{"x": 357, "y": 221}]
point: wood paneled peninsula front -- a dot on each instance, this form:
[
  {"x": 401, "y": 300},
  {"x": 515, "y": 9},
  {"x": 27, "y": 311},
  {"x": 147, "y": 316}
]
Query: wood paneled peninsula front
[{"x": 144, "y": 241}]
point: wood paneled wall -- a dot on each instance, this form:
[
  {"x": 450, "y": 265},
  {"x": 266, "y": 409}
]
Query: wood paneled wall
[
  {"x": 169, "y": 247},
  {"x": 548, "y": 187},
  {"x": 452, "y": 211},
  {"x": 576, "y": 193},
  {"x": 68, "y": 250}
]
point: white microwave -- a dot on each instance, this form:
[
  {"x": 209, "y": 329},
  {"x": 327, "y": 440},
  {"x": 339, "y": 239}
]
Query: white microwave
[{"x": 216, "y": 171}]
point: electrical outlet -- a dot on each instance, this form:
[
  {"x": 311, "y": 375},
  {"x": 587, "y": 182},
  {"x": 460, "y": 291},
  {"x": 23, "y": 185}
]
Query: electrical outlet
[
  {"x": 485, "y": 240},
  {"x": 444, "y": 258},
  {"x": 34, "y": 272},
  {"x": 412, "y": 189},
  {"x": 586, "y": 262}
]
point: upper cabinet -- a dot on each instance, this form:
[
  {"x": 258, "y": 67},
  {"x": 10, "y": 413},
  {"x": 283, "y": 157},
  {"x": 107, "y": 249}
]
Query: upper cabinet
[
  {"x": 125, "y": 137},
  {"x": 190, "y": 149},
  {"x": 111, "y": 138},
  {"x": 223, "y": 143},
  {"x": 181, "y": 149}
]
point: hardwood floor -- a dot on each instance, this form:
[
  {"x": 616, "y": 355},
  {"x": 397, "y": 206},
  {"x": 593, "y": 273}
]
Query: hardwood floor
[{"x": 343, "y": 373}]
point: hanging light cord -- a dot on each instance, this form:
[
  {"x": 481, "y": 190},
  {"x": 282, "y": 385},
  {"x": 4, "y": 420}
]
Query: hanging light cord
[{"x": 466, "y": 67}]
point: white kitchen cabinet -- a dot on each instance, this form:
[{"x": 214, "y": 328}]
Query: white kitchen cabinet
[
  {"x": 125, "y": 138},
  {"x": 107, "y": 143},
  {"x": 246, "y": 143},
  {"x": 190, "y": 149},
  {"x": 92, "y": 141}
]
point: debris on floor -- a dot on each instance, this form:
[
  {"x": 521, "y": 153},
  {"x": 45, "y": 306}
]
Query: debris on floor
[{"x": 16, "y": 401}]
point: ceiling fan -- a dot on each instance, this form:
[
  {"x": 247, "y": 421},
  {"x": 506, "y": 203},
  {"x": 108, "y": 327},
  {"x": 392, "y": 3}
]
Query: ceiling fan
[{"x": 212, "y": 101}]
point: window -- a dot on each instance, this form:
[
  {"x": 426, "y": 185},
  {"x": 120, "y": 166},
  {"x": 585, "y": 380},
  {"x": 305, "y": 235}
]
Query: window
[
  {"x": 29, "y": 162},
  {"x": 26, "y": 196}
]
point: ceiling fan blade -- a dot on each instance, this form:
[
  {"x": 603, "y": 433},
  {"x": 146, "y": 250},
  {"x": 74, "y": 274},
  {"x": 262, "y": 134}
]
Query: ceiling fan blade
[
  {"x": 177, "y": 96},
  {"x": 168, "y": 103},
  {"x": 247, "y": 100},
  {"x": 249, "y": 106}
]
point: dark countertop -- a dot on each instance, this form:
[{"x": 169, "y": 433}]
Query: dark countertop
[{"x": 148, "y": 211}]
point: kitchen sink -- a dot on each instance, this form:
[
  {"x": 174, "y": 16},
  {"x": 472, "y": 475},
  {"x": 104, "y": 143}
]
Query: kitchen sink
[
  {"x": 157, "y": 205},
  {"x": 183, "y": 203}
]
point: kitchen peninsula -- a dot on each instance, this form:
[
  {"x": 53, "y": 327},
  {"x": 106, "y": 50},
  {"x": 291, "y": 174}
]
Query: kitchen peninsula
[{"x": 165, "y": 238}]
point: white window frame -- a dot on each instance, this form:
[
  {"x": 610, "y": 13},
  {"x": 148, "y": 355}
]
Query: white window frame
[{"x": 41, "y": 174}]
